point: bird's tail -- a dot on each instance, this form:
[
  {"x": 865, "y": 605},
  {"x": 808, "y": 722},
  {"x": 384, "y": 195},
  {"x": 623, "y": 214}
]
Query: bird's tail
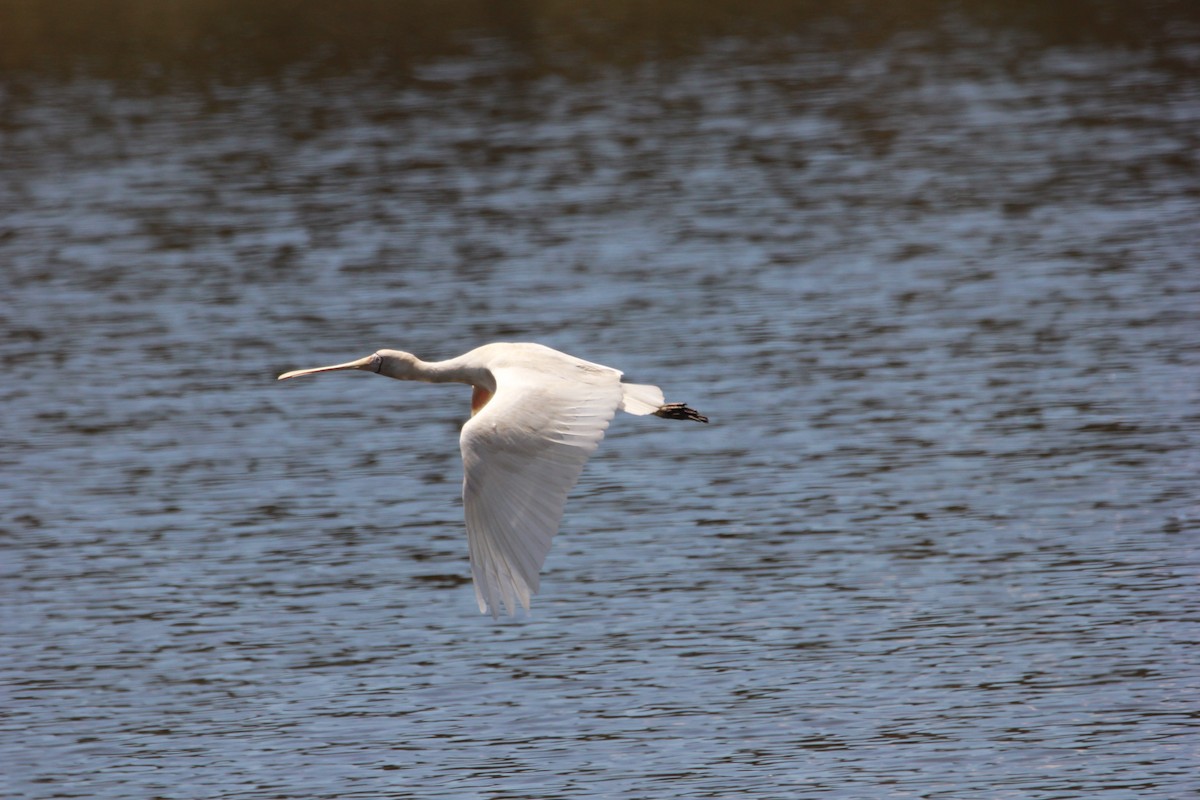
[{"x": 641, "y": 398}]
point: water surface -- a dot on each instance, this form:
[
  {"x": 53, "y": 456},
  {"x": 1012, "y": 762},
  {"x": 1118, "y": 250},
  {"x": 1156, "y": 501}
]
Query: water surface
[{"x": 937, "y": 295}]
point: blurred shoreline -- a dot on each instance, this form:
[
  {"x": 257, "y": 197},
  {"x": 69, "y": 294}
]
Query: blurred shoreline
[{"x": 230, "y": 40}]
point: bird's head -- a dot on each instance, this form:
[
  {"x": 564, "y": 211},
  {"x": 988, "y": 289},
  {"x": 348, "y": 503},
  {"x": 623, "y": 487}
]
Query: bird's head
[
  {"x": 397, "y": 364},
  {"x": 392, "y": 363}
]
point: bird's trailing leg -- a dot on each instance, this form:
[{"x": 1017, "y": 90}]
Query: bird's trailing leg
[{"x": 679, "y": 411}]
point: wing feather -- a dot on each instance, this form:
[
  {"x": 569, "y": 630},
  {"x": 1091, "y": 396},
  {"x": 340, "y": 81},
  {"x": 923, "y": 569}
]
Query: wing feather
[{"x": 522, "y": 454}]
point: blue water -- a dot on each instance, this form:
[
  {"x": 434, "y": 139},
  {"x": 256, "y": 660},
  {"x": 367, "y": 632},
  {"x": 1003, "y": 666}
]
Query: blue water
[{"x": 938, "y": 541}]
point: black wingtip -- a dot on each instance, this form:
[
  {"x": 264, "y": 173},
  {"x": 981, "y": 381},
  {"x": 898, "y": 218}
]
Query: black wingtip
[{"x": 680, "y": 411}]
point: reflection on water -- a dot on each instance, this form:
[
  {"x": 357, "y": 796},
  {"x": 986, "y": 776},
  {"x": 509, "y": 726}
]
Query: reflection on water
[
  {"x": 937, "y": 295},
  {"x": 202, "y": 40}
]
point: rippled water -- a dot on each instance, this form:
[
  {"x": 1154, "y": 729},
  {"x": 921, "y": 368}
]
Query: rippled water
[{"x": 940, "y": 539}]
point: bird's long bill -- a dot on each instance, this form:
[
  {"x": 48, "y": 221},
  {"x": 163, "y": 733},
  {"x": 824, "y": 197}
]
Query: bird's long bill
[{"x": 362, "y": 363}]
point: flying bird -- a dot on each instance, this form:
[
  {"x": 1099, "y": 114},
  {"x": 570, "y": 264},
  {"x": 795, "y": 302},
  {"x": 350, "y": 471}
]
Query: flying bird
[{"x": 536, "y": 416}]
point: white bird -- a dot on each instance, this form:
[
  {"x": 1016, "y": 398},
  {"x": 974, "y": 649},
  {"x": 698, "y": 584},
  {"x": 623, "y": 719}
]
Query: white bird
[{"x": 536, "y": 416}]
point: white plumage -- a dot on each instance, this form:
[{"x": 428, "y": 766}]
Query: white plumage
[{"x": 537, "y": 415}]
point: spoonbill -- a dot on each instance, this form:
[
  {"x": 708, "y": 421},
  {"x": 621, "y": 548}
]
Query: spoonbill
[{"x": 536, "y": 415}]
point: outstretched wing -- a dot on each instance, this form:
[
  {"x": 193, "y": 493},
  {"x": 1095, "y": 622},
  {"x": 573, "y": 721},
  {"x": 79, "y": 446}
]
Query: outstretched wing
[{"x": 522, "y": 453}]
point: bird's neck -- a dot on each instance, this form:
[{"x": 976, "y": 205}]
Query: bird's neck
[{"x": 449, "y": 371}]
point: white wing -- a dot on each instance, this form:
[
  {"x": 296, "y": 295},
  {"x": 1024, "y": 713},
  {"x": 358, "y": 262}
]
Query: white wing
[{"x": 522, "y": 453}]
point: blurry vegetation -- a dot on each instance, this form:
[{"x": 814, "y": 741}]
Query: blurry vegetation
[{"x": 231, "y": 38}]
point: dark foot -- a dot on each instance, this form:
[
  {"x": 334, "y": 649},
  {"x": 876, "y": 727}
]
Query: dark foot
[{"x": 680, "y": 411}]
